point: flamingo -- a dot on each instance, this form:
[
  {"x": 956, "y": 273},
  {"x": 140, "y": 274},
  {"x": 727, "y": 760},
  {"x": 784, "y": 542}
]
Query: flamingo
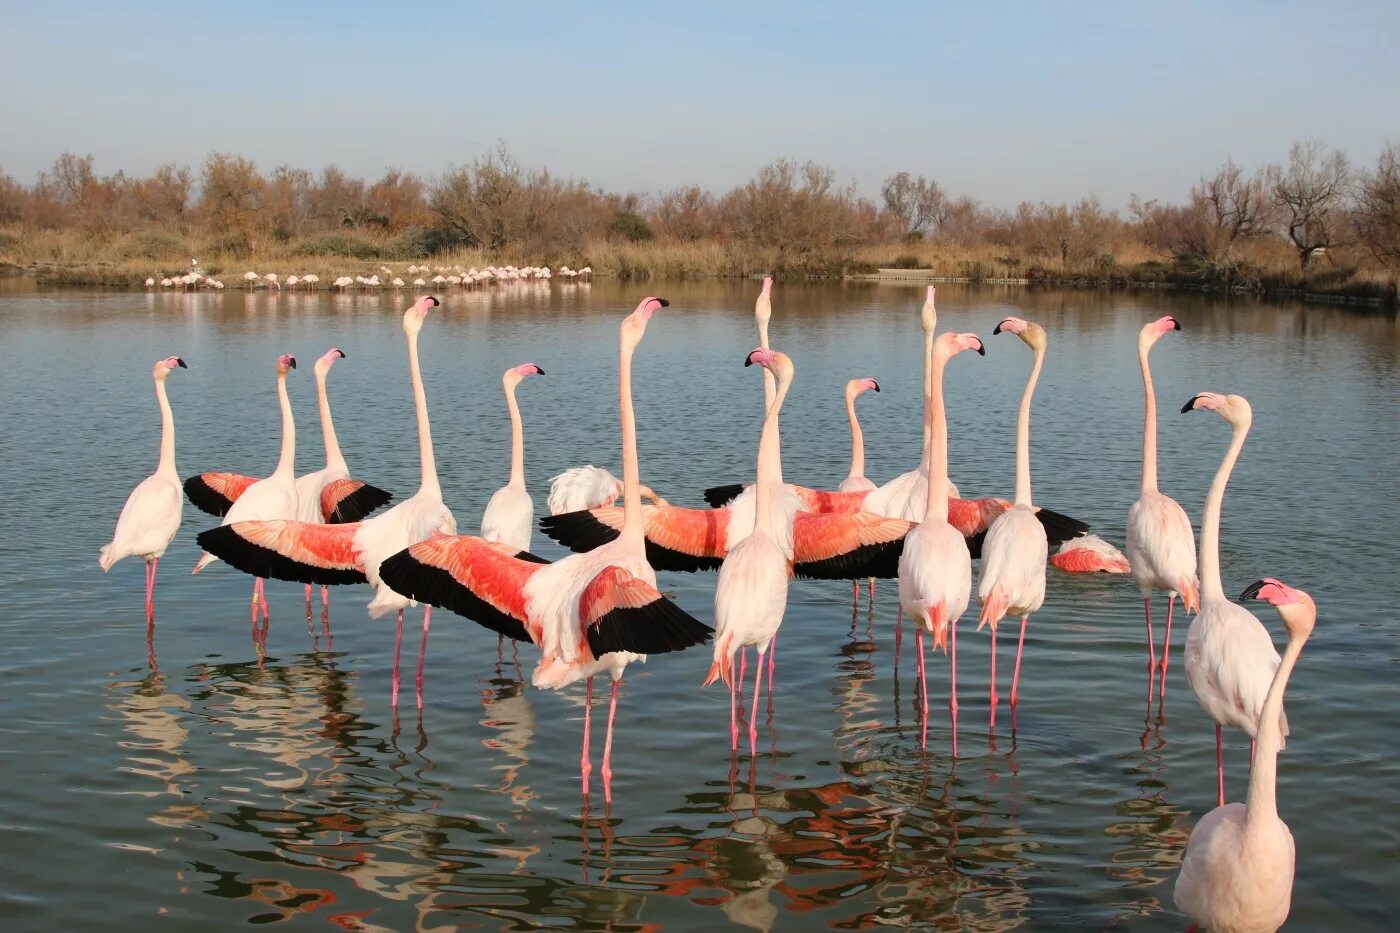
[
  {"x": 751, "y": 595},
  {"x": 271, "y": 279},
  {"x": 589, "y": 613},
  {"x": 353, "y": 553},
  {"x": 1237, "y": 873},
  {"x": 330, "y": 495},
  {"x": 935, "y": 569},
  {"x": 151, "y": 515},
  {"x": 510, "y": 514},
  {"x": 856, "y": 480},
  {"x": 1161, "y": 546},
  {"x": 273, "y": 497},
  {"x": 150, "y": 281},
  {"x": 588, "y": 487},
  {"x": 1014, "y": 555},
  {"x": 1089, "y": 554},
  {"x": 1230, "y": 658}
]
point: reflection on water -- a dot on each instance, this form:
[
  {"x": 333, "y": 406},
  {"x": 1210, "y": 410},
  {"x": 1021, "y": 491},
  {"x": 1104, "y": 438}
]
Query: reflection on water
[{"x": 219, "y": 780}]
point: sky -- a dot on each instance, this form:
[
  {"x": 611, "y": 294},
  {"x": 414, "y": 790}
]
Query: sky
[{"x": 1001, "y": 101}]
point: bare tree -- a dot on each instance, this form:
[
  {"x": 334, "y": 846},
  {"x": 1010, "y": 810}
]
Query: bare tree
[
  {"x": 1377, "y": 211},
  {"x": 1310, "y": 196},
  {"x": 232, "y": 198},
  {"x": 917, "y": 205}
]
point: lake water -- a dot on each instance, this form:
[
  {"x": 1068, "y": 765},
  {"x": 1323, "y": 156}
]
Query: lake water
[{"x": 205, "y": 787}]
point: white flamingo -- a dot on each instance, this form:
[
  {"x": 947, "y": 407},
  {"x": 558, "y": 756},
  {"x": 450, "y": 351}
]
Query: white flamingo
[{"x": 510, "y": 514}]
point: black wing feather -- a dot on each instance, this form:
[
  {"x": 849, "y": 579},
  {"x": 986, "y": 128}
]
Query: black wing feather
[{"x": 410, "y": 577}]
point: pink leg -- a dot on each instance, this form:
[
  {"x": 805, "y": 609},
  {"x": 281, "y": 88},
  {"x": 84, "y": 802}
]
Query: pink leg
[
  {"x": 325, "y": 597},
  {"x": 992, "y": 690},
  {"x": 743, "y": 671},
  {"x": 923, "y": 684},
  {"x": 262, "y": 597},
  {"x": 150, "y": 588},
  {"x": 772, "y": 661},
  {"x": 585, "y": 766},
  {"x": 308, "y": 598},
  {"x": 753, "y": 714},
  {"x": 953, "y": 683},
  {"x": 398, "y": 644},
  {"x": 898, "y": 634},
  {"x": 1016, "y": 675},
  {"x": 422, "y": 652},
  {"x": 607, "y": 745},
  {"x": 1219, "y": 768},
  {"x": 1167, "y": 646},
  {"x": 855, "y": 591},
  {"x": 733, "y": 715},
  {"x": 872, "y": 589},
  {"x": 1151, "y": 646},
  {"x": 255, "y": 603}
]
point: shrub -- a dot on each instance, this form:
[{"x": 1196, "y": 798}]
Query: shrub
[
  {"x": 344, "y": 245},
  {"x": 630, "y": 226},
  {"x": 907, "y": 261},
  {"x": 152, "y": 244}
]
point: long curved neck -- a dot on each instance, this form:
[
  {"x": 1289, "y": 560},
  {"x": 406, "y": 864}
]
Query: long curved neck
[
  {"x": 429, "y": 480},
  {"x": 166, "y": 464},
  {"x": 857, "y": 439},
  {"x": 936, "y": 449},
  {"x": 1023, "y": 434},
  {"x": 333, "y": 456},
  {"x": 286, "y": 460},
  {"x": 1210, "y": 521},
  {"x": 928, "y": 391},
  {"x": 1149, "y": 425},
  {"x": 632, "y": 529},
  {"x": 1261, "y": 811},
  {"x": 770, "y": 463},
  {"x": 517, "y": 439}
]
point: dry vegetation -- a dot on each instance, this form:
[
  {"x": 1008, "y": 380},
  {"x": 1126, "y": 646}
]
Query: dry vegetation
[{"x": 1314, "y": 224}]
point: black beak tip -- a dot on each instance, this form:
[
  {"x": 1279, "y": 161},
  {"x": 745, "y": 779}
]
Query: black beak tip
[
  {"x": 748, "y": 360},
  {"x": 996, "y": 330},
  {"x": 434, "y": 301},
  {"x": 981, "y": 350},
  {"x": 1189, "y": 405},
  {"x": 538, "y": 371},
  {"x": 1252, "y": 591},
  {"x": 294, "y": 362},
  {"x": 341, "y": 352},
  {"x": 1176, "y": 325},
  {"x": 663, "y": 302},
  {"x": 180, "y": 363},
  {"x": 874, "y": 385}
]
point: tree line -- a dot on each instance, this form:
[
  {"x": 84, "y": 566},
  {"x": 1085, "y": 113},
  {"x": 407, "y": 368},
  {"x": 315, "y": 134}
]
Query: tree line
[{"x": 1316, "y": 207}]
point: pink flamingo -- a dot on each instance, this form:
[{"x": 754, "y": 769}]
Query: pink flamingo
[
  {"x": 329, "y": 495},
  {"x": 935, "y": 569},
  {"x": 1014, "y": 555},
  {"x": 1237, "y": 873},
  {"x": 353, "y": 553},
  {"x": 1230, "y": 658},
  {"x": 1089, "y": 554},
  {"x": 510, "y": 513},
  {"x": 1161, "y": 545},
  {"x": 751, "y": 594},
  {"x": 856, "y": 480},
  {"x": 589, "y": 613},
  {"x": 151, "y": 515},
  {"x": 578, "y": 489},
  {"x": 273, "y": 497}
]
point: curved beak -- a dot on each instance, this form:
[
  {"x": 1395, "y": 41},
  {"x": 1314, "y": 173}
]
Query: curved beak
[
  {"x": 538, "y": 371},
  {"x": 1176, "y": 325},
  {"x": 1189, "y": 405},
  {"x": 748, "y": 360},
  {"x": 180, "y": 363},
  {"x": 996, "y": 330},
  {"x": 1252, "y": 591},
  {"x": 341, "y": 352},
  {"x": 874, "y": 385},
  {"x": 981, "y": 350}
]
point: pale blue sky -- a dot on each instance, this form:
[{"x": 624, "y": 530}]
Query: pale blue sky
[{"x": 1001, "y": 101}]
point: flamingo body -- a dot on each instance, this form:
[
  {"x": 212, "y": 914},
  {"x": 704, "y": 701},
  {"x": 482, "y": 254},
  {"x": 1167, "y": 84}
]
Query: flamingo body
[
  {"x": 509, "y": 517},
  {"x": 1224, "y": 899},
  {"x": 1230, "y": 661},
  {"x": 1162, "y": 548},
  {"x": 1089, "y": 554},
  {"x": 148, "y": 521},
  {"x": 1013, "y": 565},
  {"x": 935, "y": 577}
]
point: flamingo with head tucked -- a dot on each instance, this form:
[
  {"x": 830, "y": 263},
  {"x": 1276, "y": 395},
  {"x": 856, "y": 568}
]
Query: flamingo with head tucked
[
  {"x": 751, "y": 594},
  {"x": 354, "y": 553},
  {"x": 935, "y": 568},
  {"x": 510, "y": 514},
  {"x": 1161, "y": 545},
  {"x": 151, "y": 515},
  {"x": 1015, "y": 552},
  {"x": 272, "y": 498},
  {"x": 1230, "y": 658},
  {"x": 590, "y": 613},
  {"x": 1237, "y": 872},
  {"x": 578, "y": 489}
]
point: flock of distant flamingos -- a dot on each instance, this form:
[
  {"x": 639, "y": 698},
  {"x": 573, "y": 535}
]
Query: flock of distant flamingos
[
  {"x": 443, "y": 277},
  {"x": 598, "y": 609}
]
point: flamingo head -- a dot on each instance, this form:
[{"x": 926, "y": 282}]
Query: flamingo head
[
  {"x": 1031, "y": 333},
  {"x": 516, "y": 374},
  {"x": 952, "y": 343},
  {"x": 1155, "y": 330},
  {"x": 1295, "y": 607},
  {"x": 1233, "y": 408},
  {"x": 285, "y": 363},
  {"x": 857, "y": 386},
  {"x": 324, "y": 361},
  {"x": 163, "y": 367},
  {"x": 634, "y": 325},
  {"x": 776, "y": 363},
  {"x": 928, "y": 315},
  {"x": 413, "y": 318}
]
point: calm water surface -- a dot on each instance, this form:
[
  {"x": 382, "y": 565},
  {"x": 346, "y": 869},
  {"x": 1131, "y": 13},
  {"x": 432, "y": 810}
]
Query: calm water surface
[{"x": 204, "y": 786}]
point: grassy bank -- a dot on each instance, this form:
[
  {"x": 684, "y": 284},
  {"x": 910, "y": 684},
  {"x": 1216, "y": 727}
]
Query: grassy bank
[{"x": 68, "y": 259}]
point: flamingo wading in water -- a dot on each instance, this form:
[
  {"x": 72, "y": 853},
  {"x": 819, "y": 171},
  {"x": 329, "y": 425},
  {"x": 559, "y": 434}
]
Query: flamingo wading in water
[
  {"x": 1230, "y": 658},
  {"x": 1237, "y": 873},
  {"x": 273, "y": 497},
  {"x": 1161, "y": 545},
  {"x": 589, "y": 613},
  {"x": 935, "y": 569},
  {"x": 151, "y": 515},
  {"x": 751, "y": 594},
  {"x": 510, "y": 513},
  {"x": 1015, "y": 552}
]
